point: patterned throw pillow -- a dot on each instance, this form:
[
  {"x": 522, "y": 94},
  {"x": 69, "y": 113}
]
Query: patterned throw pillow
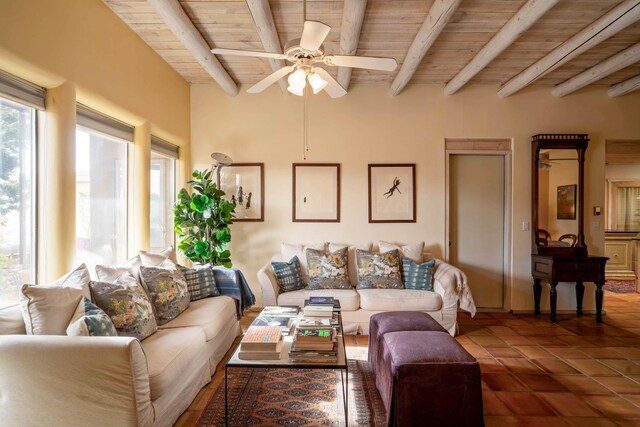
[
  {"x": 379, "y": 270},
  {"x": 288, "y": 275},
  {"x": 127, "y": 305},
  {"x": 200, "y": 282},
  {"x": 328, "y": 270},
  {"x": 90, "y": 320},
  {"x": 168, "y": 292},
  {"x": 418, "y": 276}
]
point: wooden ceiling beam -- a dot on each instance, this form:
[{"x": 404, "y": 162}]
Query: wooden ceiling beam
[
  {"x": 625, "y": 87},
  {"x": 617, "y": 19},
  {"x": 352, "y": 19},
  {"x": 520, "y": 22},
  {"x": 177, "y": 20},
  {"x": 263, "y": 18},
  {"x": 439, "y": 15},
  {"x": 609, "y": 66}
]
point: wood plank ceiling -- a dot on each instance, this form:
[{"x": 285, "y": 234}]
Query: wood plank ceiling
[{"x": 388, "y": 30}]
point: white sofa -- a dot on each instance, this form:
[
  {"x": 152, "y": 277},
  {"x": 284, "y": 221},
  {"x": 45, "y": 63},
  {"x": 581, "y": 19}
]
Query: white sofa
[
  {"x": 358, "y": 305},
  {"x": 112, "y": 381}
]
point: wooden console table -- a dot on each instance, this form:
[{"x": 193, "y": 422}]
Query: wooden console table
[{"x": 579, "y": 269}]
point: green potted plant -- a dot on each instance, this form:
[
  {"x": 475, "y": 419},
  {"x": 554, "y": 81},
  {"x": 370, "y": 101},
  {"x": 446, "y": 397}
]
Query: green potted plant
[{"x": 201, "y": 221}]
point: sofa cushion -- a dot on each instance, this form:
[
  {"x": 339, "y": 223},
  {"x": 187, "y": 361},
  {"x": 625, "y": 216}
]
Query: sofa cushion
[
  {"x": 173, "y": 353},
  {"x": 399, "y": 300},
  {"x": 328, "y": 270},
  {"x": 412, "y": 251},
  {"x": 11, "y": 321},
  {"x": 352, "y": 266},
  {"x": 349, "y": 298},
  {"x": 47, "y": 309},
  {"x": 90, "y": 320},
  {"x": 200, "y": 282},
  {"x": 288, "y": 275},
  {"x": 155, "y": 260},
  {"x": 418, "y": 276},
  {"x": 127, "y": 305},
  {"x": 289, "y": 250},
  {"x": 379, "y": 270},
  {"x": 167, "y": 290},
  {"x": 213, "y": 315}
]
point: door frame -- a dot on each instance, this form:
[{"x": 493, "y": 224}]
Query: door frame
[{"x": 486, "y": 147}]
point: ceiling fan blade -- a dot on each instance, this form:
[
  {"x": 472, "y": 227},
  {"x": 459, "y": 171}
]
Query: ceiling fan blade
[
  {"x": 271, "y": 79},
  {"x": 313, "y": 34},
  {"x": 332, "y": 88},
  {"x": 368, "y": 62},
  {"x": 220, "y": 51}
]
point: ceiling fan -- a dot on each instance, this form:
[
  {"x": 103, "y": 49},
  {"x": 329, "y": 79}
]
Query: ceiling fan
[{"x": 305, "y": 53}]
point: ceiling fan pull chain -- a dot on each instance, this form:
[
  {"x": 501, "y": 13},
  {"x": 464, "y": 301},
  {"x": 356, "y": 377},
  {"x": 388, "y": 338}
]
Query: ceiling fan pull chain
[{"x": 305, "y": 139}]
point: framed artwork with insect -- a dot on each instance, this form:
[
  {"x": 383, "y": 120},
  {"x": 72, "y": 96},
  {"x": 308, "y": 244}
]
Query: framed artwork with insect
[
  {"x": 243, "y": 184},
  {"x": 392, "y": 192},
  {"x": 316, "y": 192}
]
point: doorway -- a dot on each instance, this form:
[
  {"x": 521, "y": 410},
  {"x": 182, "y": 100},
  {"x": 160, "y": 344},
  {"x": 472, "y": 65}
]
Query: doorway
[{"x": 478, "y": 222}]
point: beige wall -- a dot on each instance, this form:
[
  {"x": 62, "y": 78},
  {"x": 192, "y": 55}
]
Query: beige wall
[
  {"x": 83, "y": 46},
  {"x": 369, "y": 126}
]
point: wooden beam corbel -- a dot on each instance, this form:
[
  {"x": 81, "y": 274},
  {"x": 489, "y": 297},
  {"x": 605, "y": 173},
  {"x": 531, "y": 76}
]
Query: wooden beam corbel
[
  {"x": 625, "y": 87},
  {"x": 352, "y": 19},
  {"x": 263, "y": 18},
  {"x": 610, "y": 65},
  {"x": 439, "y": 15},
  {"x": 617, "y": 19},
  {"x": 177, "y": 20},
  {"x": 520, "y": 22}
]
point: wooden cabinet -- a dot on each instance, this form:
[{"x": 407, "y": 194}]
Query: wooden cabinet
[{"x": 620, "y": 248}]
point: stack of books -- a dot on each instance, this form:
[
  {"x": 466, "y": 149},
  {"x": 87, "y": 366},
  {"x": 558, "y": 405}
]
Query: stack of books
[
  {"x": 282, "y": 316},
  {"x": 261, "y": 343},
  {"x": 319, "y": 307},
  {"x": 315, "y": 344}
]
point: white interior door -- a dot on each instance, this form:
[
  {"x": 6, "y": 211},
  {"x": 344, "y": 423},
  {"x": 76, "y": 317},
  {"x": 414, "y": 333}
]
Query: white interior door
[{"x": 477, "y": 224}]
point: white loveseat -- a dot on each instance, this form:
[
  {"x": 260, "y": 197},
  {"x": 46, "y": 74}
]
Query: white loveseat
[
  {"x": 358, "y": 305},
  {"x": 112, "y": 381}
]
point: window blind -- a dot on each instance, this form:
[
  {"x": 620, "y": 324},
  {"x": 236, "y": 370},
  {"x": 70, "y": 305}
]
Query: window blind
[
  {"x": 98, "y": 122},
  {"x": 21, "y": 91},
  {"x": 163, "y": 147}
]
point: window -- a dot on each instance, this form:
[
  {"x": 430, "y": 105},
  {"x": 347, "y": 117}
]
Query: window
[
  {"x": 17, "y": 196},
  {"x": 101, "y": 189},
  {"x": 162, "y": 197}
]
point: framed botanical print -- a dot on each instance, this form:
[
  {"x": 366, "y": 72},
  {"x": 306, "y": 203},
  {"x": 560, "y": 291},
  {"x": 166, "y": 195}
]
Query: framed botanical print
[
  {"x": 316, "y": 192},
  {"x": 392, "y": 193},
  {"x": 567, "y": 201},
  {"x": 243, "y": 184}
]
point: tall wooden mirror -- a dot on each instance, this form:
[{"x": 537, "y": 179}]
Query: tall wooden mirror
[{"x": 558, "y": 194}]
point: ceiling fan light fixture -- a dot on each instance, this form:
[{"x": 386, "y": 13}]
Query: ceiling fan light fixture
[
  {"x": 317, "y": 83},
  {"x": 297, "y": 78},
  {"x": 299, "y": 91}
]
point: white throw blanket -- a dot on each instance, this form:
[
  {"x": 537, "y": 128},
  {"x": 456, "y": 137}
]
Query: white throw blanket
[{"x": 448, "y": 273}]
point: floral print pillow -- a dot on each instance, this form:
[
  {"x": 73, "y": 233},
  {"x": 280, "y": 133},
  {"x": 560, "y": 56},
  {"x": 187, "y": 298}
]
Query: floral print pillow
[
  {"x": 379, "y": 270},
  {"x": 127, "y": 305},
  {"x": 327, "y": 270},
  {"x": 168, "y": 292}
]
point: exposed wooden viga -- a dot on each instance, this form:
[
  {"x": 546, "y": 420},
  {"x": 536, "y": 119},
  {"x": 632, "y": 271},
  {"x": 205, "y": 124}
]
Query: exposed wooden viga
[
  {"x": 352, "y": 19},
  {"x": 439, "y": 15},
  {"x": 625, "y": 87},
  {"x": 263, "y": 18},
  {"x": 609, "y": 24}
]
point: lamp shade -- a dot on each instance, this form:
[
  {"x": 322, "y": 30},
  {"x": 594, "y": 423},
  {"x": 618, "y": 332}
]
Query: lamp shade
[
  {"x": 317, "y": 83},
  {"x": 297, "y": 78},
  {"x": 296, "y": 90}
]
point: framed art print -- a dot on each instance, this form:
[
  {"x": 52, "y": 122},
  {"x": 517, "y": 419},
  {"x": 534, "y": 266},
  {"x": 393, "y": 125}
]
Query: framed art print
[
  {"x": 243, "y": 184},
  {"x": 567, "y": 201},
  {"x": 316, "y": 192},
  {"x": 392, "y": 193}
]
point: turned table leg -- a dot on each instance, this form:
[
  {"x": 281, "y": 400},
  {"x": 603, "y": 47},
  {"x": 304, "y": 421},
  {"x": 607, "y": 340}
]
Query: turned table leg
[
  {"x": 553, "y": 297},
  {"x": 599, "y": 297},
  {"x": 579, "y": 297},
  {"x": 537, "y": 291}
]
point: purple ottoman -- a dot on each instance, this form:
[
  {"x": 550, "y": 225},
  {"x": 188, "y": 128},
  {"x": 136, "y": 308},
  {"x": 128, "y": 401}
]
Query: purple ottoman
[
  {"x": 394, "y": 321},
  {"x": 427, "y": 378}
]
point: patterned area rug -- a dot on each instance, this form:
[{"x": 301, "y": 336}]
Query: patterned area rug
[
  {"x": 296, "y": 397},
  {"x": 620, "y": 286}
]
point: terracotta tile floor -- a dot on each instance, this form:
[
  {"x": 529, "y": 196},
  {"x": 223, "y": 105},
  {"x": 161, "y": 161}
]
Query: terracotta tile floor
[{"x": 536, "y": 373}]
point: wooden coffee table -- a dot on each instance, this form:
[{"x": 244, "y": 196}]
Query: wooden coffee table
[{"x": 284, "y": 363}]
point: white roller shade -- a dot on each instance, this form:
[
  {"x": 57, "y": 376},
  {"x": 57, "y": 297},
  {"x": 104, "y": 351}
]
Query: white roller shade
[
  {"x": 98, "y": 122},
  {"x": 163, "y": 147},
  {"x": 22, "y": 91}
]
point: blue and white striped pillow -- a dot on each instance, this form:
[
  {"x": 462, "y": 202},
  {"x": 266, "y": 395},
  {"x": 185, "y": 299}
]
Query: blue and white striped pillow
[
  {"x": 288, "y": 275},
  {"x": 418, "y": 276}
]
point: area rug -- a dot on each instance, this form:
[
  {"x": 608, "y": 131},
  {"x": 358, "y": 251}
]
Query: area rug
[
  {"x": 620, "y": 286},
  {"x": 296, "y": 397}
]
